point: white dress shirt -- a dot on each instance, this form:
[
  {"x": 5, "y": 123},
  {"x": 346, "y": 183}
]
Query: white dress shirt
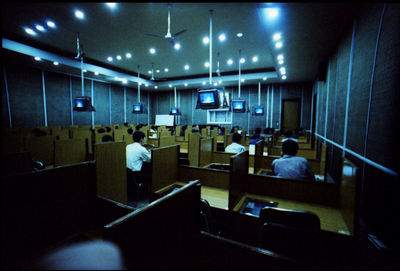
[
  {"x": 136, "y": 154},
  {"x": 235, "y": 148},
  {"x": 293, "y": 167}
]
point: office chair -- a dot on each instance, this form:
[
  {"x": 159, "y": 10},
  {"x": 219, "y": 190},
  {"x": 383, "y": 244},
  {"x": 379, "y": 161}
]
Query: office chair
[
  {"x": 205, "y": 216},
  {"x": 290, "y": 232}
]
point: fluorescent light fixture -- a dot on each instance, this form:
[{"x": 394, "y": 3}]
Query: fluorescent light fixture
[
  {"x": 264, "y": 78},
  {"x": 186, "y": 84},
  {"x": 239, "y": 35},
  {"x": 55, "y": 63},
  {"x": 255, "y": 59},
  {"x": 79, "y": 14},
  {"x": 124, "y": 81},
  {"x": 279, "y": 57},
  {"x": 222, "y": 37},
  {"x": 215, "y": 84},
  {"x": 230, "y": 62},
  {"x": 279, "y": 44},
  {"x": 128, "y": 55},
  {"x": 271, "y": 13},
  {"x": 152, "y": 51},
  {"x": 84, "y": 70},
  {"x": 206, "y": 64},
  {"x": 206, "y": 40},
  {"x": 242, "y": 60},
  {"x": 109, "y": 58},
  {"x": 30, "y": 31},
  {"x": 166, "y": 70},
  {"x": 186, "y": 67},
  {"x": 149, "y": 72},
  {"x": 119, "y": 57},
  {"x": 219, "y": 82},
  {"x": 116, "y": 78},
  {"x": 276, "y": 36},
  {"x": 146, "y": 85},
  {"x": 96, "y": 73},
  {"x": 280, "y": 62},
  {"x": 177, "y": 46},
  {"x": 284, "y": 77},
  {"x": 37, "y": 58},
  {"x": 50, "y": 24},
  {"x": 40, "y": 28},
  {"x": 242, "y": 80}
]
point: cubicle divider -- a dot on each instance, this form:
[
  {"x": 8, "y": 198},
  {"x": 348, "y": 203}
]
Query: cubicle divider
[
  {"x": 205, "y": 151},
  {"x": 70, "y": 151},
  {"x": 43, "y": 208},
  {"x": 214, "y": 135},
  {"x": 111, "y": 172},
  {"x": 167, "y": 140},
  {"x": 84, "y": 133},
  {"x": 239, "y": 166},
  {"x": 41, "y": 148},
  {"x": 258, "y": 156},
  {"x": 193, "y": 149}
]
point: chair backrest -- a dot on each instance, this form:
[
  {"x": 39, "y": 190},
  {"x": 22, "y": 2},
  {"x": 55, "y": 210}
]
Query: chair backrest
[
  {"x": 205, "y": 216},
  {"x": 290, "y": 232}
]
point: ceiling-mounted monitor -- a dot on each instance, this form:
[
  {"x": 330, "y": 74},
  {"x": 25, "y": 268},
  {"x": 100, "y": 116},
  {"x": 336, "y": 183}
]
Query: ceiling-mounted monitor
[
  {"x": 138, "y": 108},
  {"x": 208, "y": 98},
  {"x": 238, "y": 106},
  {"x": 258, "y": 111},
  {"x": 174, "y": 111},
  {"x": 83, "y": 104}
]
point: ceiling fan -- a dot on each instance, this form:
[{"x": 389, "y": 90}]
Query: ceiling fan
[{"x": 169, "y": 37}]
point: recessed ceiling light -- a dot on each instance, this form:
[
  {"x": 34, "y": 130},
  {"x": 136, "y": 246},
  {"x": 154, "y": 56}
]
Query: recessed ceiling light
[
  {"x": 30, "y": 31},
  {"x": 152, "y": 51},
  {"x": 177, "y": 46},
  {"x": 79, "y": 14},
  {"x": 206, "y": 40},
  {"x": 276, "y": 36},
  {"x": 157, "y": 71},
  {"x": 242, "y": 80},
  {"x": 170, "y": 85},
  {"x": 124, "y": 81},
  {"x": 279, "y": 44},
  {"x": 37, "y": 58},
  {"x": 149, "y": 71},
  {"x": 116, "y": 78},
  {"x": 242, "y": 60},
  {"x": 109, "y": 58},
  {"x": 55, "y": 63},
  {"x": 166, "y": 70},
  {"x": 230, "y": 62},
  {"x": 96, "y": 73},
  {"x": 280, "y": 61},
  {"x": 146, "y": 85},
  {"x": 186, "y": 67},
  {"x": 128, "y": 55},
  {"x": 271, "y": 13},
  {"x": 215, "y": 84},
  {"x": 284, "y": 77},
  {"x": 111, "y": 5},
  {"x": 186, "y": 84},
  {"x": 156, "y": 87},
  {"x": 219, "y": 82},
  {"x": 255, "y": 59},
  {"x": 279, "y": 57},
  {"x": 239, "y": 35},
  {"x": 50, "y": 24},
  {"x": 119, "y": 57},
  {"x": 264, "y": 78},
  {"x": 84, "y": 70},
  {"x": 203, "y": 83},
  {"x": 39, "y": 27},
  {"x": 206, "y": 64},
  {"x": 222, "y": 37}
]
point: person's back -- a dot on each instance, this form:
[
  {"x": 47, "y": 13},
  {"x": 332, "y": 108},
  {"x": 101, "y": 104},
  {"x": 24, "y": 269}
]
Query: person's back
[
  {"x": 235, "y": 147},
  {"x": 136, "y": 154},
  {"x": 291, "y": 166}
]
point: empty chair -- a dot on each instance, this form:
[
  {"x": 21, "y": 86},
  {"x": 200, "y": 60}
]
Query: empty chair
[{"x": 290, "y": 232}]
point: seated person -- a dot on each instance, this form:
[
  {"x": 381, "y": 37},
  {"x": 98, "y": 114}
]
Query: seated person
[
  {"x": 257, "y": 137},
  {"x": 235, "y": 147},
  {"x": 289, "y": 134},
  {"x": 291, "y": 166}
]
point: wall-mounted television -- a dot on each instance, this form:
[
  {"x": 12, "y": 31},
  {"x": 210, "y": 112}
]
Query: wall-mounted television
[
  {"x": 238, "y": 106},
  {"x": 258, "y": 111},
  {"x": 138, "y": 108},
  {"x": 83, "y": 103},
  {"x": 174, "y": 111},
  {"x": 208, "y": 98}
]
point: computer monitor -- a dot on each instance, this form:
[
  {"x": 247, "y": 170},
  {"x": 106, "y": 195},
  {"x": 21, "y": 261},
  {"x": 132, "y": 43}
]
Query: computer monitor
[
  {"x": 137, "y": 108},
  {"x": 174, "y": 111},
  {"x": 83, "y": 103},
  {"x": 259, "y": 111},
  {"x": 238, "y": 106},
  {"x": 208, "y": 98}
]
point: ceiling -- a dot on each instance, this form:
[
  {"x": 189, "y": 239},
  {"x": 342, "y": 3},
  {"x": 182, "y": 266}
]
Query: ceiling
[{"x": 309, "y": 33}]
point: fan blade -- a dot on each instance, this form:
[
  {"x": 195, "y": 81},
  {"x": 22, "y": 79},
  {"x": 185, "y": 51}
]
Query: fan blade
[
  {"x": 153, "y": 35},
  {"x": 180, "y": 32}
]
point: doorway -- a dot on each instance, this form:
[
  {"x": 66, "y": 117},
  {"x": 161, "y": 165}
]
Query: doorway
[{"x": 290, "y": 114}]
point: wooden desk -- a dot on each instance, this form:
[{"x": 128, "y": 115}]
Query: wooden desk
[
  {"x": 331, "y": 218},
  {"x": 183, "y": 150},
  {"x": 217, "y": 197}
]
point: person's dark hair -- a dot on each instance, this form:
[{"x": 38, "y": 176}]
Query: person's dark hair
[
  {"x": 101, "y": 130},
  {"x": 236, "y": 137},
  {"x": 137, "y": 136},
  {"x": 290, "y": 147},
  {"x": 288, "y": 133},
  {"x": 108, "y": 129},
  {"x": 258, "y": 130},
  {"x": 106, "y": 138},
  {"x": 126, "y": 124},
  {"x": 130, "y": 131}
]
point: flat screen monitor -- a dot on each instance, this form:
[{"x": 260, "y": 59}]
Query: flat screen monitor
[
  {"x": 208, "y": 99},
  {"x": 137, "y": 108},
  {"x": 259, "y": 111},
  {"x": 83, "y": 103},
  {"x": 174, "y": 111},
  {"x": 238, "y": 106}
]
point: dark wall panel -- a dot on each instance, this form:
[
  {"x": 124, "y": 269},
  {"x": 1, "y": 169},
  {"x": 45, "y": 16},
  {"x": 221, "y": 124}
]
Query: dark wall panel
[
  {"x": 101, "y": 103},
  {"x": 331, "y": 98},
  {"x": 117, "y": 104},
  {"x": 131, "y": 98},
  {"x": 185, "y": 102}
]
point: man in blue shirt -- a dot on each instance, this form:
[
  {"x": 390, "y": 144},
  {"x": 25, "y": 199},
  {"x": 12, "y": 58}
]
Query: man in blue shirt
[{"x": 291, "y": 166}]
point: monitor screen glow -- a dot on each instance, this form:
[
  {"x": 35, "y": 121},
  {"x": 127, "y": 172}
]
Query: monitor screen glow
[
  {"x": 207, "y": 98},
  {"x": 259, "y": 111},
  {"x": 237, "y": 105}
]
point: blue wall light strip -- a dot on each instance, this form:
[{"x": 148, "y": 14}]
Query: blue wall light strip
[
  {"x": 109, "y": 102},
  {"x": 362, "y": 158},
  {"x": 267, "y": 109},
  {"x": 44, "y": 99},
  {"x": 93, "y": 105},
  {"x": 327, "y": 98},
  {"x": 70, "y": 100},
  {"x": 7, "y": 96}
]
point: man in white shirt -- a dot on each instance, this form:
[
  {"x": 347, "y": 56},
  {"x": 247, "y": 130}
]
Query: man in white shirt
[
  {"x": 235, "y": 147},
  {"x": 136, "y": 154},
  {"x": 291, "y": 166}
]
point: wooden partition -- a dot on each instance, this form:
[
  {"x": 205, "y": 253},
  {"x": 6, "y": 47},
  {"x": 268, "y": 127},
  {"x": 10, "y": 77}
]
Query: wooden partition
[
  {"x": 258, "y": 156},
  {"x": 227, "y": 140},
  {"x": 166, "y": 140},
  {"x": 128, "y": 139},
  {"x": 164, "y": 167},
  {"x": 119, "y": 134},
  {"x": 206, "y": 153},
  {"x": 178, "y": 130},
  {"x": 70, "y": 151},
  {"x": 13, "y": 140},
  {"x": 193, "y": 149},
  {"x": 214, "y": 135},
  {"x": 60, "y": 133},
  {"x": 188, "y": 131},
  {"x": 84, "y": 133},
  {"x": 111, "y": 170},
  {"x": 222, "y": 157},
  {"x": 239, "y": 167},
  {"x": 161, "y": 235},
  {"x": 41, "y": 148},
  {"x": 99, "y": 136}
]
